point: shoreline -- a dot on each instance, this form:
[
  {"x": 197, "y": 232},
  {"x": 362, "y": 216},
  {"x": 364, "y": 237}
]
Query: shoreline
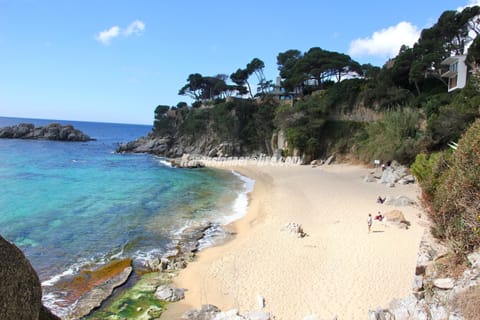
[{"x": 334, "y": 271}]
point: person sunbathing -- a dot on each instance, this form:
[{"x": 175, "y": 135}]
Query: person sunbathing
[{"x": 380, "y": 200}]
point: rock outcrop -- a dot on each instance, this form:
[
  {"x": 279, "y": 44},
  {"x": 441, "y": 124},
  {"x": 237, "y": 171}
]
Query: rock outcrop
[
  {"x": 176, "y": 147},
  {"x": 53, "y": 131},
  {"x": 20, "y": 288},
  {"x": 391, "y": 175},
  {"x": 94, "y": 298}
]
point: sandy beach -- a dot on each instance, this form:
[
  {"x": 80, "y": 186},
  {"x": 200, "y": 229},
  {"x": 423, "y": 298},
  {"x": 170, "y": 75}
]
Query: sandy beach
[{"x": 338, "y": 269}]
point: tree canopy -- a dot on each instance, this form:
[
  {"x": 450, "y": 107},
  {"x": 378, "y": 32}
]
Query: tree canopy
[{"x": 314, "y": 68}]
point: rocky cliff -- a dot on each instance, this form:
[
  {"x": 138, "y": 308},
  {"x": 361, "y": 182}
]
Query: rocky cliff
[
  {"x": 52, "y": 131},
  {"x": 20, "y": 288},
  {"x": 225, "y": 130}
]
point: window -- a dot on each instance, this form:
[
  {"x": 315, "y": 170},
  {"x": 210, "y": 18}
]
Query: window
[{"x": 454, "y": 67}]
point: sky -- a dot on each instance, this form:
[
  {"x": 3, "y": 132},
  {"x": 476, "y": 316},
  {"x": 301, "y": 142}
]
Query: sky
[{"x": 115, "y": 61}]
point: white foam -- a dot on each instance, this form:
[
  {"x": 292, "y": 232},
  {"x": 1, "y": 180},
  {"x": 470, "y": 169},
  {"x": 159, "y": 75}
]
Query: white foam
[
  {"x": 240, "y": 205},
  {"x": 164, "y": 162},
  {"x": 142, "y": 257},
  {"x": 50, "y": 282}
]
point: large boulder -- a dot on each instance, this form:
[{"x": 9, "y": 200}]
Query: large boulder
[
  {"x": 20, "y": 288},
  {"x": 400, "y": 201},
  {"x": 396, "y": 217}
]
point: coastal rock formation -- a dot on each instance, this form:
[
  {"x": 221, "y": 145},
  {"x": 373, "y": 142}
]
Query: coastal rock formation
[
  {"x": 20, "y": 288},
  {"x": 94, "y": 298},
  {"x": 87, "y": 289},
  {"x": 187, "y": 162},
  {"x": 185, "y": 245},
  {"x": 52, "y": 131}
]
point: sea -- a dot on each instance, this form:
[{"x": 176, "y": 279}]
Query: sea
[{"x": 67, "y": 205}]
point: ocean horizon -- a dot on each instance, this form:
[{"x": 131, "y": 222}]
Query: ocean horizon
[{"x": 69, "y": 205}]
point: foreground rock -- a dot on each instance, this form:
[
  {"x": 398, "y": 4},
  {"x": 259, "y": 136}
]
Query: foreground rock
[
  {"x": 20, "y": 289},
  {"x": 54, "y": 131}
]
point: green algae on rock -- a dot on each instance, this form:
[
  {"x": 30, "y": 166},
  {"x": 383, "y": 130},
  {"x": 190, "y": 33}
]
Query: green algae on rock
[{"x": 137, "y": 302}]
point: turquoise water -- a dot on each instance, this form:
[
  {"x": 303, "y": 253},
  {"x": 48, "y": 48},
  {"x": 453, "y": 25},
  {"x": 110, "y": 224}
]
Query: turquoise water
[{"x": 66, "y": 204}]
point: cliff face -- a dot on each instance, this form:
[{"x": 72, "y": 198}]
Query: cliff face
[
  {"x": 249, "y": 128},
  {"x": 20, "y": 288}
]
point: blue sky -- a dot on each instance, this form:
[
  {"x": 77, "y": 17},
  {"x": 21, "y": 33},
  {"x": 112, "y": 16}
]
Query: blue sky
[{"x": 115, "y": 61}]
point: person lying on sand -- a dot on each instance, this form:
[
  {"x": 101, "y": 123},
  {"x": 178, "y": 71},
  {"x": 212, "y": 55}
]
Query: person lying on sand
[{"x": 379, "y": 216}]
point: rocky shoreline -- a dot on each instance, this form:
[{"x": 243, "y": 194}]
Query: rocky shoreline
[
  {"x": 53, "y": 131},
  {"x": 147, "y": 297},
  {"x": 92, "y": 291}
]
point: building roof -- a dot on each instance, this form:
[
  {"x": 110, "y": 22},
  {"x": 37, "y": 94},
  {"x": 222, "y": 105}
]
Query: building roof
[{"x": 453, "y": 59}]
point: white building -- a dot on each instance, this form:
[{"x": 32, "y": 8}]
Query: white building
[{"x": 457, "y": 72}]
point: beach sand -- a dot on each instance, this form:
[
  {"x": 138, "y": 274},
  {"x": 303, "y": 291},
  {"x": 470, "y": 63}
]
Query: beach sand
[{"x": 338, "y": 269}]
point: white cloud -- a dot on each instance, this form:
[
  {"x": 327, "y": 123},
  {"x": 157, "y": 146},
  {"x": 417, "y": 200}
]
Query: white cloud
[
  {"x": 471, "y": 3},
  {"x": 386, "y": 42},
  {"x": 134, "y": 28},
  {"x": 107, "y": 35}
]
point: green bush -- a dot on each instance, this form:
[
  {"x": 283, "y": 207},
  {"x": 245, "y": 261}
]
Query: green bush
[
  {"x": 429, "y": 169},
  {"x": 195, "y": 122},
  {"x": 340, "y": 137},
  {"x": 451, "y": 120},
  {"x": 456, "y": 200},
  {"x": 394, "y": 137},
  {"x": 341, "y": 96}
]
